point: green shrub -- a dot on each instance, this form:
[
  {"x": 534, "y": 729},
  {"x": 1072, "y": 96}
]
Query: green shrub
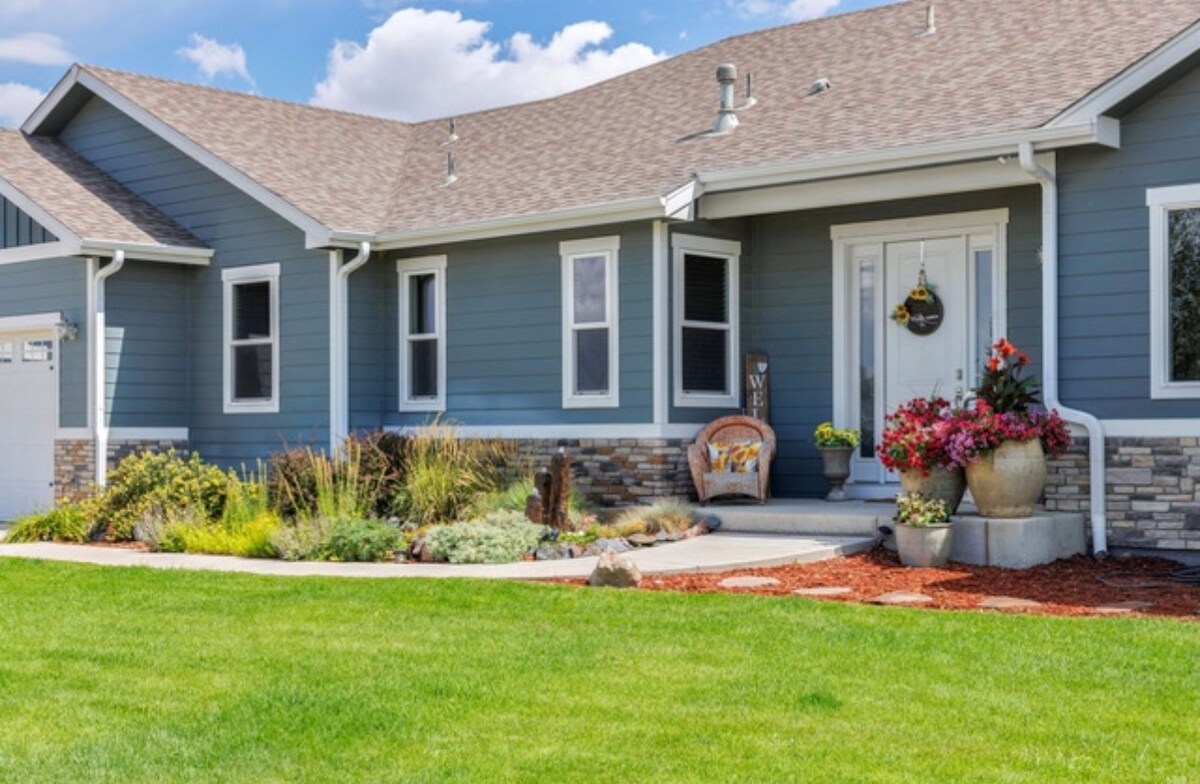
[
  {"x": 252, "y": 538},
  {"x": 302, "y": 538},
  {"x": 501, "y": 537},
  {"x": 150, "y": 484},
  {"x": 667, "y": 515},
  {"x": 445, "y": 474},
  {"x": 360, "y": 481},
  {"x": 64, "y": 524},
  {"x": 361, "y": 540}
]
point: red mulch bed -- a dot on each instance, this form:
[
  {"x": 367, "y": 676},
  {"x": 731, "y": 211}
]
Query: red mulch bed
[{"x": 1069, "y": 587}]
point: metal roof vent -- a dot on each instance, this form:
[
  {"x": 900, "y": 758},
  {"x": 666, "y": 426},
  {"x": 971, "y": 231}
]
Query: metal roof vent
[
  {"x": 751, "y": 99},
  {"x": 822, "y": 85},
  {"x": 451, "y": 170},
  {"x": 930, "y": 20},
  {"x": 727, "y": 118},
  {"x": 453, "y": 137}
]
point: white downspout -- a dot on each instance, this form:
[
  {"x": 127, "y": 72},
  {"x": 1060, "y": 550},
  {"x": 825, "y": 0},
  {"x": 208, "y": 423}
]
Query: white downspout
[
  {"x": 1095, "y": 429},
  {"x": 99, "y": 347},
  {"x": 339, "y": 342}
]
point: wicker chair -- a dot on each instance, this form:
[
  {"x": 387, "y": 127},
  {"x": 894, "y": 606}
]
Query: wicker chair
[{"x": 728, "y": 430}]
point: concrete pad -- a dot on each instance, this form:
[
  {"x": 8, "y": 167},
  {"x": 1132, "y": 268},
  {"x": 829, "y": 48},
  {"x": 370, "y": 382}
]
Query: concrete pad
[
  {"x": 1018, "y": 543},
  {"x": 824, "y": 591},
  {"x": 902, "y": 598},
  {"x": 719, "y": 552},
  {"x": 748, "y": 582}
]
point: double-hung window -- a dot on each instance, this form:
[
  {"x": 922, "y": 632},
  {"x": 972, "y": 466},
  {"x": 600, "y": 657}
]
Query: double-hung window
[
  {"x": 591, "y": 358},
  {"x": 705, "y": 284},
  {"x": 251, "y": 341},
  {"x": 422, "y": 286},
  {"x": 1175, "y": 291}
]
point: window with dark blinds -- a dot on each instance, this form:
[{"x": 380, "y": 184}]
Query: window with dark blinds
[{"x": 705, "y": 339}]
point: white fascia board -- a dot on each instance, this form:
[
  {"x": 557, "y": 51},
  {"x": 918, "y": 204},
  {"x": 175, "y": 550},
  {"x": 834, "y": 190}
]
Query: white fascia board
[
  {"x": 313, "y": 229},
  {"x": 37, "y": 212},
  {"x": 1127, "y": 83},
  {"x": 170, "y": 254},
  {"x": 1105, "y": 131},
  {"x": 576, "y": 217},
  {"x": 895, "y": 186},
  {"x": 39, "y": 252}
]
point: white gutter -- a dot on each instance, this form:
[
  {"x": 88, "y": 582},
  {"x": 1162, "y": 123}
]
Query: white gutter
[
  {"x": 99, "y": 351},
  {"x": 1095, "y": 429},
  {"x": 339, "y": 341}
]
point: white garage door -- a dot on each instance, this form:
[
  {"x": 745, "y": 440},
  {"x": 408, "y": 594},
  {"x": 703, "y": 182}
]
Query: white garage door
[{"x": 28, "y": 410}]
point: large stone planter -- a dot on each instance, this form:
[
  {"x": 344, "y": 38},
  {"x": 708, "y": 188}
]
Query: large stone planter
[
  {"x": 836, "y": 461},
  {"x": 945, "y": 484},
  {"x": 924, "y": 545},
  {"x": 1008, "y": 482}
]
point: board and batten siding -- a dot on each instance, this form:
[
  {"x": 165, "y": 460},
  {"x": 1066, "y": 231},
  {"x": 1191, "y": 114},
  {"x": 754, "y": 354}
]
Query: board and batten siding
[
  {"x": 17, "y": 229},
  {"x": 504, "y": 333},
  {"x": 1104, "y": 261},
  {"x": 242, "y": 232},
  {"x": 54, "y": 286},
  {"x": 787, "y": 308}
]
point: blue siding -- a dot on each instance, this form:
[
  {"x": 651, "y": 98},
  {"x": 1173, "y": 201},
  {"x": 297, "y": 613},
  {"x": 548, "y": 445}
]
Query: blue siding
[
  {"x": 242, "y": 232},
  {"x": 1104, "y": 263},
  {"x": 504, "y": 342},
  {"x": 17, "y": 229},
  {"x": 54, "y": 286},
  {"x": 787, "y": 302}
]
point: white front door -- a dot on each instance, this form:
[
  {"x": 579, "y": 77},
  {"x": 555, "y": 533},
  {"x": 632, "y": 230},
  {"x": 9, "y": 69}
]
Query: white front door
[
  {"x": 28, "y": 414},
  {"x": 880, "y": 363}
]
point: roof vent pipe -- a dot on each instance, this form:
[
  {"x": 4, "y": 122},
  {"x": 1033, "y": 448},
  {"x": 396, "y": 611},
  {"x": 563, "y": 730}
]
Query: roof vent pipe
[
  {"x": 451, "y": 169},
  {"x": 727, "y": 118},
  {"x": 751, "y": 100},
  {"x": 822, "y": 85},
  {"x": 930, "y": 20},
  {"x": 453, "y": 137}
]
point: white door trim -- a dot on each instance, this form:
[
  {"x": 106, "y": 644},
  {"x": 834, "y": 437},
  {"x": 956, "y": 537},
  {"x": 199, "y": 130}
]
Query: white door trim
[{"x": 971, "y": 226}]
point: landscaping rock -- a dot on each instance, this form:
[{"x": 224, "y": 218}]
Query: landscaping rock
[
  {"x": 901, "y": 598},
  {"x": 554, "y": 552},
  {"x": 748, "y": 582},
  {"x": 643, "y": 540},
  {"x": 602, "y": 545},
  {"x": 1008, "y": 603},
  {"x": 1123, "y": 608},
  {"x": 667, "y": 536},
  {"x": 615, "y": 571},
  {"x": 840, "y": 590},
  {"x": 699, "y": 529}
]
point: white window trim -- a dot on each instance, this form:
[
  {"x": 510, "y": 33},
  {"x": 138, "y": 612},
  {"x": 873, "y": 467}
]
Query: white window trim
[
  {"x": 258, "y": 273},
  {"x": 1162, "y": 201},
  {"x": 406, "y": 269},
  {"x": 731, "y": 251},
  {"x": 609, "y": 248}
]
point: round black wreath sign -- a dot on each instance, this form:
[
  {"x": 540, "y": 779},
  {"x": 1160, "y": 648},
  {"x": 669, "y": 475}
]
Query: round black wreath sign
[{"x": 922, "y": 312}]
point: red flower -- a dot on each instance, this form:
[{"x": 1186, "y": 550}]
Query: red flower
[
  {"x": 1004, "y": 348},
  {"x": 993, "y": 364}
]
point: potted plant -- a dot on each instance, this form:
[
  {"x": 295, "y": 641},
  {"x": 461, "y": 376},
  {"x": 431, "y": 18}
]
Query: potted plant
[
  {"x": 914, "y": 445},
  {"x": 836, "y": 446},
  {"x": 1003, "y": 438},
  {"x": 923, "y": 530}
]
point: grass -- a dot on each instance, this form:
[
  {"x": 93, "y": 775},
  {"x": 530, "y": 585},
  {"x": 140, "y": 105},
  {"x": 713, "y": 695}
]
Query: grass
[{"x": 128, "y": 675}]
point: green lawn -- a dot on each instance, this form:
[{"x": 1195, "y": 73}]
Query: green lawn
[{"x": 120, "y": 675}]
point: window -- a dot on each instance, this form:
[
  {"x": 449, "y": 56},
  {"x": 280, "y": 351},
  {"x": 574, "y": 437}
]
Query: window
[
  {"x": 422, "y": 334},
  {"x": 1175, "y": 291},
  {"x": 38, "y": 351},
  {"x": 591, "y": 358},
  {"x": 706, "y": 322},
  {"x": 251, "y": 323},
  {"x": 6, "y": 353}
]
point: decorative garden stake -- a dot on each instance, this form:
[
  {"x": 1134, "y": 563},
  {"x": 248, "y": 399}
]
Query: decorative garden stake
[
  {"x": 549, "y": 502},
  {"x": 758, "y": 387}
]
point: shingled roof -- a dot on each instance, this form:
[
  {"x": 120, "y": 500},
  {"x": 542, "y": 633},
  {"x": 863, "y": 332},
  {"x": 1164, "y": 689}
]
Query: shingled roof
[
  {"x": 991, "y": 67},
  {"x": 86, "y": 201}
]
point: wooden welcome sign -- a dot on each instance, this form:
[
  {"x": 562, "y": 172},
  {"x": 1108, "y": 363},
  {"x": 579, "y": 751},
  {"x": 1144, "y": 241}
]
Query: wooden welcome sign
[{"x": 758, "y": 386}]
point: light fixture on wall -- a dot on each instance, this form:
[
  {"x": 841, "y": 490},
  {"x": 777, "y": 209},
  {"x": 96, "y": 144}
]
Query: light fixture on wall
[{"x": 65, "y": 330}]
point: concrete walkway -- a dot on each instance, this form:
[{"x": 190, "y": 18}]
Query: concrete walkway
[{"x": 719, "y": 552}]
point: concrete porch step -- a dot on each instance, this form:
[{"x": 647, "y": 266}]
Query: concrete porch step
[{"x": 803, "y": 517}]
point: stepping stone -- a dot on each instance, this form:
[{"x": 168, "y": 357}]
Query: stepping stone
[
  {"x": 830, "y": 591},
  {"x": 1123, "y": 608},
  {"x": 902, "y": 597},
  {"x": 748, "y": 582},
  {"x": 1008, "y": 603}
]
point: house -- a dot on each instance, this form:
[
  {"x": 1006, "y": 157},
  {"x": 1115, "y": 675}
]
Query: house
[{"x": 184, "y": 266}]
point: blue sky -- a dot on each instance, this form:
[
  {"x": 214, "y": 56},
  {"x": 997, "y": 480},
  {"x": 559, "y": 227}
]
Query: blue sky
[{"x": 405, "y": 60}]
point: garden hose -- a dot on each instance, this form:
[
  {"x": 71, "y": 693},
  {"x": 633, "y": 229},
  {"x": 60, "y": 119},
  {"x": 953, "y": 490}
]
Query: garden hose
[
  {"x": 1126, "y": 581},
  {"x": 1188, "y": 575}
]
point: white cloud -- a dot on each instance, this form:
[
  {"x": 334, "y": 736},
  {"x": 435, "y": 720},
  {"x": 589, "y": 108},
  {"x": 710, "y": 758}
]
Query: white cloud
[
  {"x": 791, "y": 10},
  {"x": 17, "y": 102},
  {"x": 35, "y": 49},
  {"x": 216, "y": 59},
  {"x": 421, "y": 64}
]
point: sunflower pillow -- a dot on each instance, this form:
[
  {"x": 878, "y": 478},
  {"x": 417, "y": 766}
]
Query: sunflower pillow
[{"x": 737, "y": 457}]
